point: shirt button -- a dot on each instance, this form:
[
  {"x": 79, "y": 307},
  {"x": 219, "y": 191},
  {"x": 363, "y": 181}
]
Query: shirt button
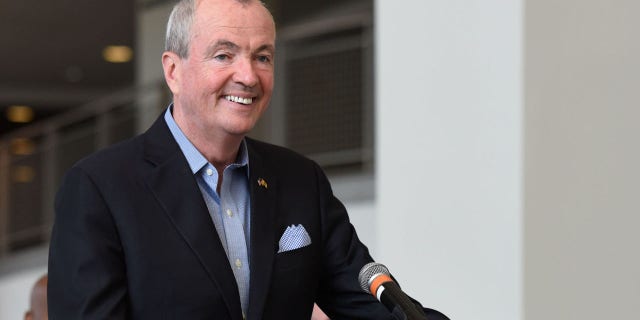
[
  {"x": 209, "y": 172},
  {"x": 238, "y": 263},
  {"x": 229, "y": 213}
]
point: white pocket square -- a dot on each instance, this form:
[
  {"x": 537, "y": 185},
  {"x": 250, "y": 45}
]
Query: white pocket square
[{"x": 295, "y": 237}]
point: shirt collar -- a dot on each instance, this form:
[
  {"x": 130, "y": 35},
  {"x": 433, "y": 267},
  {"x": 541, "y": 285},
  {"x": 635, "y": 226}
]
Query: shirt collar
[{"x": 195, "y": 159}]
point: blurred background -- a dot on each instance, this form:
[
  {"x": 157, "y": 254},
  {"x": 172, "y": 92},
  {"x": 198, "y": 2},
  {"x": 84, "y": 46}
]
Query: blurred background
[{"x": 487, "y": 151}]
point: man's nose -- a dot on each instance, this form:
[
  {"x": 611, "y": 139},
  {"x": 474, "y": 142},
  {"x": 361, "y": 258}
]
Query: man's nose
[{"x": 245, "y": 73}]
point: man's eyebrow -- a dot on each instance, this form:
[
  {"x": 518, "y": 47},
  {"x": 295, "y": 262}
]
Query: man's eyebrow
[
  {"x": 226, "y": 44},
  {"x": 267, "y": 47},
  {"x": 221, "y": 44}
]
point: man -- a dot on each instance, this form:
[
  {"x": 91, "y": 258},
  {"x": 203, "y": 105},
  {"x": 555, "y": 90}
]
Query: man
[
  {"x": 191, "y": 220},
  {"x": 38, "y": 301}
]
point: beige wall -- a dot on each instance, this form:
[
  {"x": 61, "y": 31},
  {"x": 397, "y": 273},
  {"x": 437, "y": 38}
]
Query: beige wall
[{"x": 582, "y": 191}]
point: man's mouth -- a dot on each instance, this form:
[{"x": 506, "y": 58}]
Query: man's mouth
[{"x": 239, "y": 99}]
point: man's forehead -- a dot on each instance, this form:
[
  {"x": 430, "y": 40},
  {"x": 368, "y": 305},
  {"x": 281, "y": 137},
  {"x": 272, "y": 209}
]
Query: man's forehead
[
  {"x": 232, "y": 27},
  {"x": 223, "y": 10},
  {"x": 224, "y": 43},
  {"x": 220, "y": 34},
  {"x": 241, "y": 18}
]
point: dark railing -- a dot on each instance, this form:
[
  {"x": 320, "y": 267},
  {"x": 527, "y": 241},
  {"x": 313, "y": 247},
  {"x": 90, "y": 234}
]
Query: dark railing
[{"x": 33, "y": 159}]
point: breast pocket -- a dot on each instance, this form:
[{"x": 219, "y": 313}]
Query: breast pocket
[
  {"x": 295, "y": 273},
  {"x": 297, "y": 258}
]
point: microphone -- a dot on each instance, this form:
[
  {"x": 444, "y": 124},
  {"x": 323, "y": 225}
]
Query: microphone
[{"x": 375, "y": 279}]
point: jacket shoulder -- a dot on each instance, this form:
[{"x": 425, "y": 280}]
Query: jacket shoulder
[{"x": 279, "y": 156}]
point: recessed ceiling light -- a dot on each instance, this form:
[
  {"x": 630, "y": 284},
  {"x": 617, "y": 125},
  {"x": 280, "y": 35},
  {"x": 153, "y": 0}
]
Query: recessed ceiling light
[
  {"x": 22, "y": 146},
  {"x": 20, "y": 114},
  {"x": 117, "y": 54},
  {"x": 23, "y": 174}
]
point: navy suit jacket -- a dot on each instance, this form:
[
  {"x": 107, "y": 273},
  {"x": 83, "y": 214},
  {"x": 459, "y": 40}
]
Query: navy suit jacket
[{"x": 132, "y": 239}]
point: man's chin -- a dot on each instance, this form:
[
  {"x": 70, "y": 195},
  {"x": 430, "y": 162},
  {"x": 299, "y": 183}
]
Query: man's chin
[
  {"x": 240, "y": 125},
  {"x": 239, "y": 130}
]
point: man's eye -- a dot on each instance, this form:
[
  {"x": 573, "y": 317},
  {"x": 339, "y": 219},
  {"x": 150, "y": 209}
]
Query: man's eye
[
  {"x": 221, "y": 57},
  {"x": 264, "y": 59}
]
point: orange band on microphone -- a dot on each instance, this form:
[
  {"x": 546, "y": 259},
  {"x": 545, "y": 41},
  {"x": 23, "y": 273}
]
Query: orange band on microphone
[{"x": 378, "y": 281}]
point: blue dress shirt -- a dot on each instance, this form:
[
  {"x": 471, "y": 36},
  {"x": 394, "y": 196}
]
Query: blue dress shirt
[{"x": 229, "y": 210}]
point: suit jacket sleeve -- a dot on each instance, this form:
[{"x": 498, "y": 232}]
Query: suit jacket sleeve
[
  {"x": 340, "y": 295},
  {"x": 86, "y": 269}
]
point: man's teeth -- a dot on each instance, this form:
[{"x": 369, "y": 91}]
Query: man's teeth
[{"x": 239, "y": 100}]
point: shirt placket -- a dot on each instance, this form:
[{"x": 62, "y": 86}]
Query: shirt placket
[{"x": 233, "y": 220}]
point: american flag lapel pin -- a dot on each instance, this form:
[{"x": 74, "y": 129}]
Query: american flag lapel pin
[{"x": 263, "y": 183}]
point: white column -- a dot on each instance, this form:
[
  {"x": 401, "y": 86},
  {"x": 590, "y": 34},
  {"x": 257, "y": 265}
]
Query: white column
[{"x": 448, "y": 153}]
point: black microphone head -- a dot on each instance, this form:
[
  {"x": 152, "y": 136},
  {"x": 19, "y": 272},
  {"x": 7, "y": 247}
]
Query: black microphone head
[{"x": 370, "y": 271}]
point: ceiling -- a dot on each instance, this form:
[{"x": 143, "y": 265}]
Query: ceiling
[{"x": 51, "y": 53}]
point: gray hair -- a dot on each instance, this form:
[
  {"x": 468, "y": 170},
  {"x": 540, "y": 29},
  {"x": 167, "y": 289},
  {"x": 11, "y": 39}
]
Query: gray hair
[
  {"x": 179, "y": 28},
  {"x": 179, "y": 25}
]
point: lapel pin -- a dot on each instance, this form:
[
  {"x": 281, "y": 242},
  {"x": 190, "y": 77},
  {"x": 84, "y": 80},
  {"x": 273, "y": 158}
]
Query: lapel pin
[{"x": 263, "y": 183}]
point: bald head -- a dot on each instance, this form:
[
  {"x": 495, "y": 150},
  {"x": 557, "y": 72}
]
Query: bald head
[{"x": 38, "y": 307}]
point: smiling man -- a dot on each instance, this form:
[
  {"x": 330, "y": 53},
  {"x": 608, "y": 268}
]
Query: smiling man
[{"x": 193, "y": 220}]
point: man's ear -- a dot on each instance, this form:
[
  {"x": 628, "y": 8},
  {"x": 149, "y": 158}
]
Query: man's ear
[{"x": 171, "y": 66}]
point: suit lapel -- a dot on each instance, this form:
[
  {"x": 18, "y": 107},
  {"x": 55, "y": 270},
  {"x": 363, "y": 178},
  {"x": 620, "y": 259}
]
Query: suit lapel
[
  {"x": 174, "y": 186},
  {"x": 263, "y": 188}
]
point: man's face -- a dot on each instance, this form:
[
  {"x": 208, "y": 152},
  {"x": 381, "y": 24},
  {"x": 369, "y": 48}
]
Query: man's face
[{"x": 225, "y": 83}]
